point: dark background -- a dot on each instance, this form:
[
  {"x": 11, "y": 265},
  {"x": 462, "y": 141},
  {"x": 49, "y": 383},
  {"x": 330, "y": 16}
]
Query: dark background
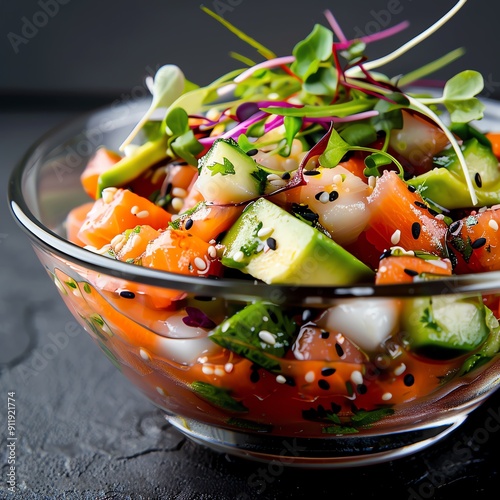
[
  {"x": 84, "y": 432},
  {"x": 105, "y": 48}
]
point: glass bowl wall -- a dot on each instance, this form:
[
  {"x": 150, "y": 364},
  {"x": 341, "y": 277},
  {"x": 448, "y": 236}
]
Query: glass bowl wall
[{"x": 138, "y": 337}]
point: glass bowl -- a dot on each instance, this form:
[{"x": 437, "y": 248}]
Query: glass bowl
[{"x": 314, "y": 413}]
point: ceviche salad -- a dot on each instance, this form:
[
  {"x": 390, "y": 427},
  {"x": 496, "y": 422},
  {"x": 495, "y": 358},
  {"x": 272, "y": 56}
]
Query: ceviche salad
[{"x": 314, "y": 168}]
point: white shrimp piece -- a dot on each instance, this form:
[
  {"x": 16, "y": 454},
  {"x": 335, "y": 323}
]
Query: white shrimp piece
[
  {"x": 366, "y": 322},
  {"x": 340, "y": 199},
  {"x": 184, "y": 344}
]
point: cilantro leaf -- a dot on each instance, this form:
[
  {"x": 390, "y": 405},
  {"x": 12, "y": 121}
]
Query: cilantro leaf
[{"x": 226, "y": 169}]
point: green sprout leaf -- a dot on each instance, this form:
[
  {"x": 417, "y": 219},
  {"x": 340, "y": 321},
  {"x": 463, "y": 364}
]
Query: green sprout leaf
[
  {"x": 311, "y": 51},
  {"x": 459, "y": 97},
  {"x": 168, "y": 85}
]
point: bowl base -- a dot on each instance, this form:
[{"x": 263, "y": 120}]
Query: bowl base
[{"x": 319, "y": 453}]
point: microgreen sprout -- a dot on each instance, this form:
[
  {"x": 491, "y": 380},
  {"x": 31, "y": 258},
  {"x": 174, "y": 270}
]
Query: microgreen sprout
[{"x": 167, "y": 86}]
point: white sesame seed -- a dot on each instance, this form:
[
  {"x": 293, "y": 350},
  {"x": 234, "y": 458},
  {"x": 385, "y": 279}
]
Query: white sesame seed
[
  {"x": 273, "y": 177},
  {"x": 144, "y": 354},
  {"x": 118, "y": 246},
  {"x": 212, "y": 242},
  {"x": 177, "y": 203},
  {"x": 107, "y": 197},
  {"x": 278, "y": 183},
  {"x": 238, "y": 256},
  {"x": 280, "y": 379},
  {"x": 340, "y": 338},
  {"x": 110, "y": 190},
  {"x": 142, "y": 214},
  {"x": 212, "y": 252},
  {"x": 207, "y": 369},
  {"x": 267, "y": 337},
  {"x": 324, "y": 197},
  {"x": 202, "y": 360},
  {"x": 337, "y": 179},
  {"x": 357, "y": 377},
  {"x": 310, "y": 376},
  {"x": 372, "y": 181},
  {"x": 179, "y": 192},
  {"x": 225, "y": 327},
  {"x": 200, "y": 263},
  {"x": 439, "y": 217},
  {"x": 386, "y": 396},
  {"x": 396, "y": 236},
  {"x": 158, "y": 173},
  {"x": 264, "y": 232},
  {"x": 134, "y": 210},
  {"x": 399, "y": 369},
  {"x": 117, "y": 239},
  {"x": 159, "y": 390},
  {"x": 228, "y": 367},
  {"x": 219, "y": 371},
  {"x": 493, "y": 224},
  {"x": 382, "y": 269}
]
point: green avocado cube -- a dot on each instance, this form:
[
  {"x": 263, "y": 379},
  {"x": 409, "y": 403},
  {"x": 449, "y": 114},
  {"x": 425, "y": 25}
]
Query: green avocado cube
[{"x": 274, "y": 246}]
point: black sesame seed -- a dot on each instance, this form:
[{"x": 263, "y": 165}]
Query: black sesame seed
[
  {"x": 318, "y": 195},
  {"x": 323, "y": 384},
  {"x": 169, "y": 188},
  {"x": 271, "y": 243},
  {"x": 415, "y": 230},
  {"x": 286, "y": 176},
  {"x": 339, "y": 349},
  {"x": 387, "y": 253},
  {"x": 311, "y": 172},
  {"x": 290, "y": 381},
  {"x": 412, "y": 189},
  {"x": 273, "y": 317},
  {"x": 361, "y": 388},
  {"x": 420, "y": 204},
  {"x": 310, "y": 216},
  {"x": 254, "y": 376},
  {"x": 321, "y": 411},
  {"x": 333, "y": 196},
  {"x": 188, "y": 224},
  {"x": 455, "y": 226},
  {"x": 335, "y": 407},
  {"x": 480, "y": 242},
  {"x": 309, "y": 414},
  {"x": 325, "y": 334},
  {"x": 127, "y": 295},
  {"x": 478, "y": 180},
  {"x": 409, "y": 380},
  {"x": 327, "y": 371},
  {"x": 410, "y": 272},
  {"x": 252, "y": 152}
]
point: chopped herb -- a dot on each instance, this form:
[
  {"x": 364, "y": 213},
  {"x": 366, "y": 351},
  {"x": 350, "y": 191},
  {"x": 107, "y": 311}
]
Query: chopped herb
[{"x": 218, "y": 396}]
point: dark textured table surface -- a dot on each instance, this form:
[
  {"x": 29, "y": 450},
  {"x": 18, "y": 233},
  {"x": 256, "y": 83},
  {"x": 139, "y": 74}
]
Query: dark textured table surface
[{"x": 83, "y": 432}]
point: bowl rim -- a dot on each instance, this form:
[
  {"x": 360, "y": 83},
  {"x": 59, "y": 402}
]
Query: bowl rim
[{"x": 250, "y": 289}]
